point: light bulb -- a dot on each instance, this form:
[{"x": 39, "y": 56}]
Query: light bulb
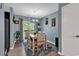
[
  {"x": 36, "y": 20},
  {"x": 33, "y": 20}
]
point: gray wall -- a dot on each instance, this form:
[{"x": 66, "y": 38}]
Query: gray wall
[
  {"x": 51, "y": 32},
  {"x": 16, "y": 26},
  {"x": 1, "y": 32},
  {"x": 11, "y": 29}
]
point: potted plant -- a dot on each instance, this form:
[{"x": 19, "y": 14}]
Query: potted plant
[{"x": 17, "y": 35}]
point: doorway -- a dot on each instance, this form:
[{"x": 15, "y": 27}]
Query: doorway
[
  {"x": 28, "y": 27},
  {"x": 7, "y": 31}
]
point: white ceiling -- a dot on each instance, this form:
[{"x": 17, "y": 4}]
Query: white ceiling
[{"x": 36, "y": 10}]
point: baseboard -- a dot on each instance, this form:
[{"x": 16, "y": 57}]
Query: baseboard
[
  {"x": 12, "y": 47},
  {"x": 50, "y": 42},
  {"x": 60, "y": 53}
]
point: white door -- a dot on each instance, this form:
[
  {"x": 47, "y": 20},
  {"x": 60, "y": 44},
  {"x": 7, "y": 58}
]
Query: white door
[{"x": 70, "y": 29}]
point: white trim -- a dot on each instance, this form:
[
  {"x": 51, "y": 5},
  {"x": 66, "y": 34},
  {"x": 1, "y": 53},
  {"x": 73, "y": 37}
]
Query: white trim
[
  {"x": 12, "y": 47},
  {"x": 60, "y": 53},
  {"x": 50, "y": 42}
]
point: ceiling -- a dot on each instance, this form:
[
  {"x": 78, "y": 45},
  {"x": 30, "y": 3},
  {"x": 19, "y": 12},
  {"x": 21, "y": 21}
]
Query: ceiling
[{"x": 36, "y": 10}]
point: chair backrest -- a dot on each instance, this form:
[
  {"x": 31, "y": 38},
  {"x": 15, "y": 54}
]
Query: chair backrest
[{"x": 40, "y": 36}]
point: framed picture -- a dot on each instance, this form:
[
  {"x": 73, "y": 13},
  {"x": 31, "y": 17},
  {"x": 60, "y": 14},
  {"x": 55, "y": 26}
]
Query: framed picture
[
  {"x": 15, "y": 21},
  {"x": 53, "y": 24},
  {"x": 46, "y": 22}
]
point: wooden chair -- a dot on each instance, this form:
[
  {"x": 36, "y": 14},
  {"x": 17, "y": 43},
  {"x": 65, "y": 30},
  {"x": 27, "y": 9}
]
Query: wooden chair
[
  {"x": 37, "y": 42},
  {"x": 41, "y": 41}
]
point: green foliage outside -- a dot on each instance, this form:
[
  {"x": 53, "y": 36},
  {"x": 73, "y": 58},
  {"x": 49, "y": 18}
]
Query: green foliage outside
[{"x": 28, "y": 26}]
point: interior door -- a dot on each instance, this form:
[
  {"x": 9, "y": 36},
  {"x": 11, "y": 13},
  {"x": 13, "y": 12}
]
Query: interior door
[{"x": 70, "y": 29}]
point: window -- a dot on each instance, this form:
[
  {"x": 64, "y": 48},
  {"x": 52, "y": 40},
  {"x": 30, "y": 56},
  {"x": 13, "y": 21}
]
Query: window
[
  {"x": 53, "y": 24},
  {"x": 28, "y": 26},
  {"x": 46, "y": 23}
]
